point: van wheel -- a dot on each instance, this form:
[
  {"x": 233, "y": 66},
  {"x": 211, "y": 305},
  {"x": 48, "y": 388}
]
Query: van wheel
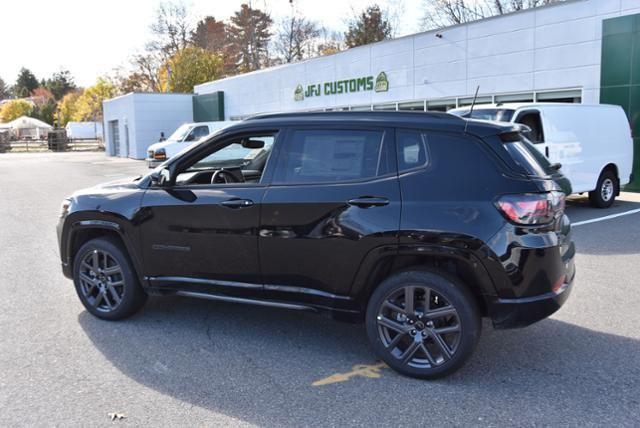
[
  {"x": 606, "y": 190},
  {"x": 105, "y": 280},
  {"x": 423, "y": 323}
]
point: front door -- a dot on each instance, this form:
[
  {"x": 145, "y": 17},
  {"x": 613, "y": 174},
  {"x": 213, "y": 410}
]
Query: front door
[
  {"x": 334, "y": 198},
  {"x": 201, "y": 233}
]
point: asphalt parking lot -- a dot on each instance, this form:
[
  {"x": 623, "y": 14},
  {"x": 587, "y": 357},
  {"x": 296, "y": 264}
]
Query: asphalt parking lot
[{"x": 183, "y": 361}]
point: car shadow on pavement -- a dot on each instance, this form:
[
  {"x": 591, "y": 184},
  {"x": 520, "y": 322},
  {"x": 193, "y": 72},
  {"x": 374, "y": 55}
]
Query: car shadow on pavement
[{"x": 258, "y": 364}]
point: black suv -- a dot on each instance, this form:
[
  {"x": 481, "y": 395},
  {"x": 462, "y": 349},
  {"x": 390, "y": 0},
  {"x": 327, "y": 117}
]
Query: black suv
[{"x": 418, "y": 224}]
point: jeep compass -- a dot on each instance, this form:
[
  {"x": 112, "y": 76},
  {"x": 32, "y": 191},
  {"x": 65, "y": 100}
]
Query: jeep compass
[{"x": 417, "y": 224}]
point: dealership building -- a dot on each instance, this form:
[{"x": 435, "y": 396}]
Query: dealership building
[{"x": 582, "y": 51}]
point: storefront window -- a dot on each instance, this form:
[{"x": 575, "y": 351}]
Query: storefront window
[
  {"x": 361, "y": 108},
  {"x": 571, "y": 96},
  {"x": 391, "y": 106},
  {"x": 441, "y": 105},
  {"x": 526, "y": 97},
  {"x": 412, "y": 106},
  {"x": 467, "y": 101}
]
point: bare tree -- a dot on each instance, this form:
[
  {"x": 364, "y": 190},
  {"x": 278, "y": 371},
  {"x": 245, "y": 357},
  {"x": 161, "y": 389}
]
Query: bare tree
[
  {"x": 394, "y": 14},
  {"x": 443, "y": 13},
  {"x": 328, "y": 42},
  {"x": 141, "y": 75},
  {"x": 171, "y": 29},
  {"x": 295, "y": 38}
]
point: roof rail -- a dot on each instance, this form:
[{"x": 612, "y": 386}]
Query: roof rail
[{"x": 344, "y": 113}]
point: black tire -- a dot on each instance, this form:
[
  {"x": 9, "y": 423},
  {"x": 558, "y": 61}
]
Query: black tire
[
  {"x": 111, "y": 257},
  {"x": 605, "y": 191},
  {"x": 446, "y": 292}
]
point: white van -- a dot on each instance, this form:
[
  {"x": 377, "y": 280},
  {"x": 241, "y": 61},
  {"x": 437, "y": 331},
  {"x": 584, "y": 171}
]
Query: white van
[
  {"x": 591, "y": 142},
  {"x": 182, "y": 138}
]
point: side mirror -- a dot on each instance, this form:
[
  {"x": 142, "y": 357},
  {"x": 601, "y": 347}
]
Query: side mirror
[
  {"x": 252, "y": 144},
  {"x": 161, "y": 178},
  {"x": 555, "y": 166}
]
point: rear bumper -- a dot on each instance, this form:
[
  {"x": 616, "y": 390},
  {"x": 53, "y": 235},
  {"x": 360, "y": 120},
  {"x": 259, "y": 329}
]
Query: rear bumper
[{"x": 515, "y": 313}]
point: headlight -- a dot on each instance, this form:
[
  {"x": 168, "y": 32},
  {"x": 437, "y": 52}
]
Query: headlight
[
  {"x": 64, "y": 208},
  {"x": 160, "y": 154}
]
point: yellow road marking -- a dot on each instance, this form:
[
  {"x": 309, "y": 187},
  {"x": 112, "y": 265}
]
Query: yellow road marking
[{"x": 371, "y": 371}]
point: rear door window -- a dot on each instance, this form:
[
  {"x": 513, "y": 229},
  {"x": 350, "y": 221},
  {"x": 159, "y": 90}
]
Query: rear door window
[
  {"x": 412, "y": 149},
  {"x": 325, "y": 156}
]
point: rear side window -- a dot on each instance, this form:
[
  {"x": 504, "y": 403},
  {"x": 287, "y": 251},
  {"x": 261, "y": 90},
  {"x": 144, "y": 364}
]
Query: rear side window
[
  {"x": 328, "y": 156},
  {"x": 412, "y": 149},
  {"x": 526, "y": 156}
]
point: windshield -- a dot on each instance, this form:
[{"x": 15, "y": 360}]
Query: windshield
[
  {"x": 234, "y": 155},
  {"x": 499, "y": 114},
  {"x": 180, "y": 133}
]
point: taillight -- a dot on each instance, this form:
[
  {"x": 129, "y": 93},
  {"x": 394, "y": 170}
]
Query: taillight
[{"x": 532, "y": 208}]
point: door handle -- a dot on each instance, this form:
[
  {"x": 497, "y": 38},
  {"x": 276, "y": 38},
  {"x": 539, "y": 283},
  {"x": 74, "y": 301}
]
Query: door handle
[
  {"x": 546, "y": 151},
  {"x": 368, "y": 201},
  {"x": 237, "y": 203}
]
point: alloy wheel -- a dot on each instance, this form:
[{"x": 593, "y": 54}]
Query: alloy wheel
[
  {"x": 419, "y": 327},
  {"x": 101, "y": 280}
]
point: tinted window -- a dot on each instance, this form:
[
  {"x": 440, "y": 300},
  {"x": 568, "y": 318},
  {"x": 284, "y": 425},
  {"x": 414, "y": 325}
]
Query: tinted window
[
  {"x": 235, "y": 155},
  {"x": 412, "y": 149},
  {"x": 527, "y": 157},
  {"x": 314, "y": 156},
  {"x": 532, "y": 120},
  {"x": 499, "y": 114}
]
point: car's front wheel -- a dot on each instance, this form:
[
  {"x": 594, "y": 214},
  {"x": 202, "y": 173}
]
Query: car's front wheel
[
  {"x": 105, "y": 280},
  {"x": 423, "y": 323}
]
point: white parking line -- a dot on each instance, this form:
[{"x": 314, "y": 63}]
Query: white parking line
[{"x": 607, "y": 217}]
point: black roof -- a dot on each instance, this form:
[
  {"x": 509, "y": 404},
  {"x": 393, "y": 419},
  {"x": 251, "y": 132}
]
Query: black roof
[{"x": 422, "y": 120}]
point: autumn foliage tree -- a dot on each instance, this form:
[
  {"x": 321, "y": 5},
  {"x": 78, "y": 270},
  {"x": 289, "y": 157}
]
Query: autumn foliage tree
[
  {"x": 88, "y": 106},
  {"x": 249, "y": 34},
  {"x": 369, "y": 27},
  {"x": 67, "y": 107},
  {"x": 213, "y": 36},
  {"x": 189, "y": 67},
  {"x": 14, "y": 109}
]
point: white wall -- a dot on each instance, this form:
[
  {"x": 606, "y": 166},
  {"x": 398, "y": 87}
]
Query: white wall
[
  {"x": 120, "y": 109},
  {"x": 551, "y": 47},
  {"x": 146, "y": 115}
]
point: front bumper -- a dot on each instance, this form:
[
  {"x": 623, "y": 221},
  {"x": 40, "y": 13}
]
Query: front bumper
[
  {"x": 152, "y": 163},
  {"x": 521, "y": 312}
]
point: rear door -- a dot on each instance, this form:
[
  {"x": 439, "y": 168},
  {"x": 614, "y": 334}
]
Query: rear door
[{"x": 334, "y": 197}]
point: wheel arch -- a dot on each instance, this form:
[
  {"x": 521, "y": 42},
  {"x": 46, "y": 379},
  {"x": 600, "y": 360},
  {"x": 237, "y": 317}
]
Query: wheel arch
[
  {"x": 382, "y": 263},
  {"x": 83, "y": 231}
]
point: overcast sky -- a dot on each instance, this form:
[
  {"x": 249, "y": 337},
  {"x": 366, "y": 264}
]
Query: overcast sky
[{"x": 90, "y": 37}]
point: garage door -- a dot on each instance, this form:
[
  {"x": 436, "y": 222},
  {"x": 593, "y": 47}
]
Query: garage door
[{"x": 114, "y": 134}]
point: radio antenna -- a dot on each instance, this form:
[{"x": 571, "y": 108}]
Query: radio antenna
[{"x": 473, "y": 104}]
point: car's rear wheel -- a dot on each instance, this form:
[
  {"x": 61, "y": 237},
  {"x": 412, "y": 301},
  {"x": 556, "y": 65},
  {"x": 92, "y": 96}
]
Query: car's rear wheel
[
  {"x": 423, "y": 323},
  {"x": 105, "y": 281},
  {"x": 606, "y": 190}
]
